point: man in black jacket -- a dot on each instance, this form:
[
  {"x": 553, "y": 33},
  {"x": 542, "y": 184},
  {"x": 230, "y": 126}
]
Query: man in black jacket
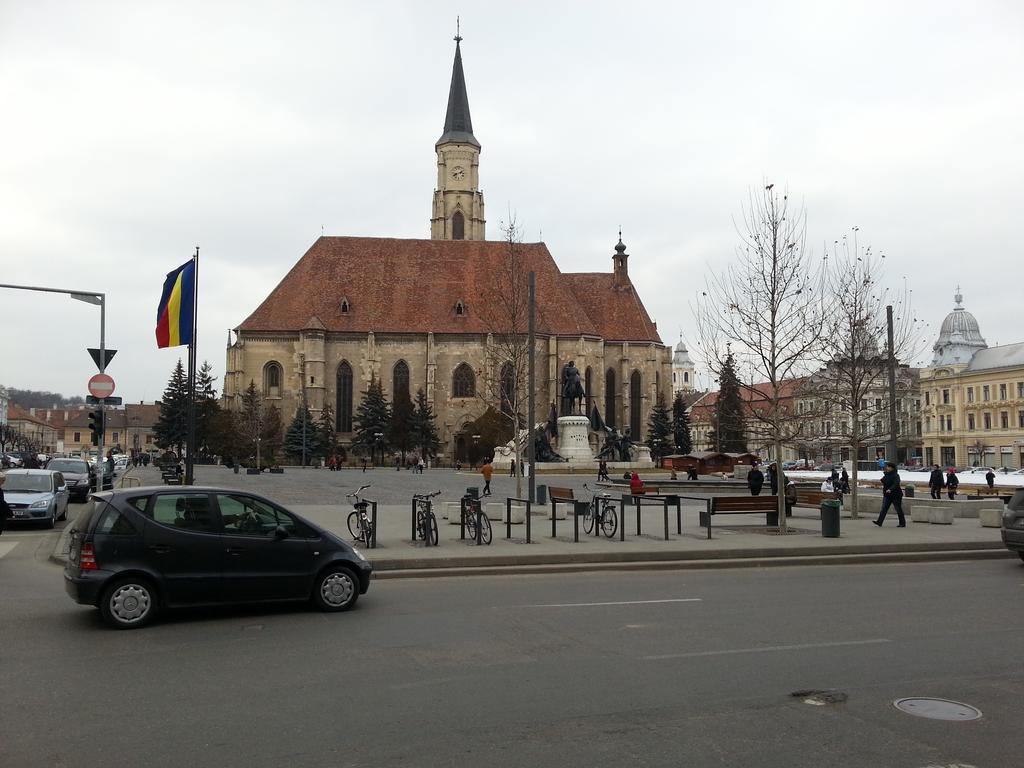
[
  {"x": 755, "y": 480},
  {"x": 935, "y": 482},
  {"x": 952, "y": 483},
  {"x": 892, "y": 494},
  {"x": 990, "y": 478}
]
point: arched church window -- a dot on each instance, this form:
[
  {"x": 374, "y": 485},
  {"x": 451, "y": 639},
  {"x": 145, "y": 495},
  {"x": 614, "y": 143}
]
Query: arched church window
[
  {"x": 587, "y": 376},
  {"x": 343, "y": 408},
  {"x": 346, "y": 307},
  {"x": 686, "y": 377},
  {"x": 400, "y": 382},
  {"x": 609, "y": 397},
  {"x": 508, "y": 395},
  {"x": 463, "y": 381},
  {"x": 272, "y": 375},
  {"x": 460, "y": 308},
  {"x": 635, "y": 392},
  {"x": 458, "y": 226}
]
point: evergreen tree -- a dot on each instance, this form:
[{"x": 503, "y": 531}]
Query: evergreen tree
[
  {"x": 659, "y": 429},
  {"x": 251, "y": 421},
  {"x": 207, "y": 409},
  {"x": 273, "y": 434},
  {"x": 398, "y": 429},
  {"x": 422, "y": 428},
  {"x": 373, "y": 417},
  {"x": 171, "y": 428},
  {"x": 681, "y": 425},
  {"x": 328, "y": 435},
  {"x": 730, "y": 421},
  {"x": 302, "y": 434}
]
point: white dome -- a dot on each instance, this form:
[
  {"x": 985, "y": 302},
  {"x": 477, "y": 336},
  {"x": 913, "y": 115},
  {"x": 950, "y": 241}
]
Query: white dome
[
  {"x": 681, "y": 357},
  {"x": 959, "y": 338}
]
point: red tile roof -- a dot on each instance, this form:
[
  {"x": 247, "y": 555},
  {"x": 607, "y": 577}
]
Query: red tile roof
[
  {"x": 413, "y": 286},
  {"x": 787, "y": 389}
]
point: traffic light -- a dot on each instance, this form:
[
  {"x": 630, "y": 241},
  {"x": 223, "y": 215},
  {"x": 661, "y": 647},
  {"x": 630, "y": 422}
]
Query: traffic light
[{"x": 96, "y": 425}]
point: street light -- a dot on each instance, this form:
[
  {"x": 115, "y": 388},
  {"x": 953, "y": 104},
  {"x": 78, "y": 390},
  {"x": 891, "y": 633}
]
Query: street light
[
  {"x": 379, "y": 437},
  {"x": 89, "y": 297}
]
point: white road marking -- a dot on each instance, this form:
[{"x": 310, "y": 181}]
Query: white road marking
[
  {"x": 6, "y": 547},
  {"x": 765, "y": 649},
  {"x": 622, "y": 602}
]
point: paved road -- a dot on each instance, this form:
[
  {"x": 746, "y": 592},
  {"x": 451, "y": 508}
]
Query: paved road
[{"x": 656, "y": 669}]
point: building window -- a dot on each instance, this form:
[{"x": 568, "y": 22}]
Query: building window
[
  {"x": 463, "y": 381},
  {"x": 508, "y": 392},
  {"x": 1020, "y": 421},
  {"x": 927, "y": 398},
  {"x": 970, "y": 394},
  {"x": 458, "y": 226},
  {"x": 1020, "y": 390},
  {"x": 988, "y": 420},
  {"x": 346, "y": 307},
  {"x": 460, "y": 307},
  {"x": 918, "y": 428},
  {"x": 970, "y": 422},
  {"x": 945, "y": 397},
  {"x": 949, "y": 423},
  {"x": 985, "y": 393},
  {"x": 1004, "y": 422},
  {"x": 609, "y": 397},
  {"x": 1002, "y": 391},
  {"x": 78, "y": 435},
  {"x": 400, "y": 382},
  {"x": 635, "y": 392},
  {"x": 343, "y": 407},
  {"x": 686, "y": 377},
  {"x": 114, "y": 436},
  {"x": 588, "y": 376},
  {"x": 272, "y": 376}
]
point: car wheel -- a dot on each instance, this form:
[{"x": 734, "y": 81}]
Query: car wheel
[
  {"x": 336, "y": 589},
  {"x": 128, "y": 603},
  {"x": 1021, "y": 554},
  {"x": 51, "y": 520}
]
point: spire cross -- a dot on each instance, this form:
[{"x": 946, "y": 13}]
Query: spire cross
[{"x": 458, "y": 36}]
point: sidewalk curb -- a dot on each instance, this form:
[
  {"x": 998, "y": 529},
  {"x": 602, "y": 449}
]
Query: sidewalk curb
[{"x": 697, "y": 564}]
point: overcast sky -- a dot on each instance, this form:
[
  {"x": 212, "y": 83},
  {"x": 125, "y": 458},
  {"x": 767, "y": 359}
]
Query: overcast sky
[{"x": 133, "y": 132}]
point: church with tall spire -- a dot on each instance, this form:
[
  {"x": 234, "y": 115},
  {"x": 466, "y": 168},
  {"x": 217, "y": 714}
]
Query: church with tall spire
[{"x": 422, "y": 315}]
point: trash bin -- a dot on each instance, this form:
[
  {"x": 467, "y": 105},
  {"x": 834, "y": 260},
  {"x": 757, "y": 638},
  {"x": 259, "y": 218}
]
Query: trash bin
[
  {"x": 908, "y": 491},
  {"x": 473, "y": 491},
  {"x": 830, "y": 518},
  {"x": 542, "y": 495}
]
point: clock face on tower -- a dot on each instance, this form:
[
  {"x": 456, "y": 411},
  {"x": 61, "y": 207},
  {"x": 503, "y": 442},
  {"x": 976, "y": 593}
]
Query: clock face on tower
[{"x": 458, "y": 173}]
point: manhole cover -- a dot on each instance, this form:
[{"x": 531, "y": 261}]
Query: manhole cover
[{"x": 937, "y": 709}]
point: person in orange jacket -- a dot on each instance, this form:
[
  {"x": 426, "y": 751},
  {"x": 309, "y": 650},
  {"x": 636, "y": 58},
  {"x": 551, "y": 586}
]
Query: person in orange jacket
[{"x": 487, "y": 470}]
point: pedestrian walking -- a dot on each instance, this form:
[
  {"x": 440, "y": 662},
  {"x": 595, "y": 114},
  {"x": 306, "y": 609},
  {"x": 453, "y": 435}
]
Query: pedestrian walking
[
  {"x": 487, "y": 471},
  {"x": 364, "y": 463},
  {"x": 892, "y": 495},
  {"x": 844, "y": 481},
  {"x": 935, "y": 482},
  {"x": 602, "y": 470},
  {"x": 790, "y": 497},
  {"x": 755, "y": 480},
  {"x": 512, "y": 471},
  {"x": 5, "y": 510},
  {"x": 952, "y": 483},
  {"x": 421, "y": 465},
  {"x": 773, "y": 479},
  {"x": 990, "y": 478}
]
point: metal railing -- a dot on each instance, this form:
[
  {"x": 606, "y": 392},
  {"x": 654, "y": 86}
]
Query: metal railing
[{"x": 508, "y": 516}]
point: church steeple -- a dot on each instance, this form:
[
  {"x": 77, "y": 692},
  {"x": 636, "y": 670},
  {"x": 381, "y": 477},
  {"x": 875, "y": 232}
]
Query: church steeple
[{"x": 458, "y": 209}]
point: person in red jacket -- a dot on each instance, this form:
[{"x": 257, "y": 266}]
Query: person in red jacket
[{"x": 636, "y": 485}]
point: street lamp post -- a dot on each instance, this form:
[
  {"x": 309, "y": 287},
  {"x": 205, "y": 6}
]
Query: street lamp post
[
  {"x": 89, "y": 297},
  {"x": 379, "y": 437}
]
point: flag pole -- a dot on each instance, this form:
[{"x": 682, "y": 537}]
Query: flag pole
[{"x": 191, "y": 444}]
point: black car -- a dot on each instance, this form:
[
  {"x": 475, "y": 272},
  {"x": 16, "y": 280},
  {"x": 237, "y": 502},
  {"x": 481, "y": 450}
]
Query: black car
[{"x": 135, "y": 551}]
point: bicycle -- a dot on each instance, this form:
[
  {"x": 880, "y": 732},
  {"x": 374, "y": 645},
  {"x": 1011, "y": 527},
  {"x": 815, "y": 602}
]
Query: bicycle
[
  {"x": 426, "y": 522},
  {"x": 601, "y": 511},
  {"x": 359, "y": 523},
  {"x": 470, "y": 514}
]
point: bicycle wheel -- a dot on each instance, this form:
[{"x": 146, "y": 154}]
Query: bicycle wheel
[
  {"x": 470, "y": 524},
  {"x": 432, "y": 528},
  {"x": 367, "y": 531},
  {"x": 355, "y": 526},
  {"x": 588, "y": 518},
  {"x": 485, "y": 530},
  {"x": 609, "y": 522}
]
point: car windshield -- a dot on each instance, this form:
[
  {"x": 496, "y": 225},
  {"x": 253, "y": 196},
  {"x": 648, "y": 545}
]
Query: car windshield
[
  {"x": 68, "y": 465},
  {"x": 27, "y": 483}
]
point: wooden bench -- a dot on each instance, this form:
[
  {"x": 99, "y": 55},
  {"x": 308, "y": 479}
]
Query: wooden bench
[
  {"x": 811, "y": 498},
  {"x": 739, "y": 505}
]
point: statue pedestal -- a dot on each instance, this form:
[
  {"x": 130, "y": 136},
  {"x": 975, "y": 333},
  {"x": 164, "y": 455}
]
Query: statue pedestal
[{"x": 573, "y": 439}]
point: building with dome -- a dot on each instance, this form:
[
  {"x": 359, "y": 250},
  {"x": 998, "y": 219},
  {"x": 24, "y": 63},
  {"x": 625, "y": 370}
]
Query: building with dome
[
  {"x": 682, "y": 370},
  {"x": 973, "y": 397},
  {"x": 412, "y": 314}
]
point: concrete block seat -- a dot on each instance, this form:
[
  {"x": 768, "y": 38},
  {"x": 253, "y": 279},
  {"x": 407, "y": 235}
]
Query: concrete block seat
[
  {"x": 991, "y": 518},
  {"x": 940, "y": 515},
  {"x": 495, "y": 510}
]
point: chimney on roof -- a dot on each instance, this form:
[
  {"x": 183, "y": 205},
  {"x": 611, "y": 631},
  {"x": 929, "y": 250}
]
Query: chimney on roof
[{"x": 621, "y": 260}]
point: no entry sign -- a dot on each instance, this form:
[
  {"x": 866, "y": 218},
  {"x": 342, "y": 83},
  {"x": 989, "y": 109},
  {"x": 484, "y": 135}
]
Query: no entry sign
[{"x": 101, "y": 385}]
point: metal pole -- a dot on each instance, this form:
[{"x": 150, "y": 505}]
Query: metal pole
[
  {"x": 893, "y": 450},
  {"x": 531, "y": 385},
  {"x": 103, "y": 416},
  {"x": 302, "y": 361},
  {"x": 190, "y": 447}
]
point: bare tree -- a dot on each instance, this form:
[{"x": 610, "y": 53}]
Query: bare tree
[
  {"x": 852, "y": 386},
  {"x": 768, "y": 305},
  {"x": 505, "y": 386}
]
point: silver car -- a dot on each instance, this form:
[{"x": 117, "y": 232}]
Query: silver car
[
  {"x": 36, "y": 495},
  {"x": 1013, "y": 523}
]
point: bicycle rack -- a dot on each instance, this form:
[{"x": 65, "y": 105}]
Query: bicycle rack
[
  {"x": 412, "y": 518},
  {"x": 665, "y": 500},
  {"x": 462, "y": 519},
  {"x": 508, "y": 516},
  {"x": 372, "y": 543}
]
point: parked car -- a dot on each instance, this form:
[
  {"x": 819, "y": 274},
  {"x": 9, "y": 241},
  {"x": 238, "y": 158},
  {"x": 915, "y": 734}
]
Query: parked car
[
  {"x": 826, "y": 467},
  {"x": 979, "y": 470},
  {"x": 78, "y": 474},
  {"x": 1013, "y": 523},
  {"x": 36, "y": 495},
  {"x": 136, "y": 551},
  {"x": 788, "y": 465}
]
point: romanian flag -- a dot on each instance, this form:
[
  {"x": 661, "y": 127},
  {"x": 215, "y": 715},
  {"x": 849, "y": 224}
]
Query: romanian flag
[{"x": 177, "y": 310}]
